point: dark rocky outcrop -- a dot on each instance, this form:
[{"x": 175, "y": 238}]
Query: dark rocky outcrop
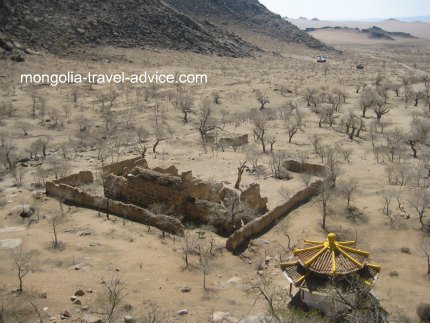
[
  {"x": 60, "y": 26},
  {"x": 249, "y": 15}
]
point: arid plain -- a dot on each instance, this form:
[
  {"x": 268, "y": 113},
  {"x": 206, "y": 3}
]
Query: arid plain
[{"x": 315, "y": 100}]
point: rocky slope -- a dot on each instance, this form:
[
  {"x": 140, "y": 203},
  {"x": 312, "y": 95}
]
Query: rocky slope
[
  {"x": 246, "y": 14},
  {"x": 60, "y": 25}
]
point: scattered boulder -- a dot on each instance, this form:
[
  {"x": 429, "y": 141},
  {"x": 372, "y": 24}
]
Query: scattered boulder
[
  {"x": 128, "y": 319},
  {"x": 235, "y": 282},
  {"x": 31, "y": 52},
  {"x": 182, "y": 312},
  {"x": 77, "y": 301},
  {"x": 43, "y": 295},
  {"x": 80, "y": 31},
  {"x": 17, "y": 58},
  {"x": 185, "y": 289},
  {"x": 7, "y": 46},
  {"x": 259, "y": 318},
  {"x": 91, "y": 318},
  {"x": 65, "y": 314},
  {"x": 85, "y": 308},
  {"x": 25, "y": 211},
  {"x": 220, "y": 317},
  {"x": 79, "y": 292},
  {"x": 83, "y": 233},
  {"x": 360, "y": 66}
]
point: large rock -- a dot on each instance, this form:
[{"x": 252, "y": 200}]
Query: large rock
[
  {"x": 92, "y": 318},
  {"x": 24, "y": 211},
  {"x": 17, "y": 58},
  {"x": 235, "y": 282},
  {"x": 259, "y": 318},
  {"x": 223, "y": 317}
]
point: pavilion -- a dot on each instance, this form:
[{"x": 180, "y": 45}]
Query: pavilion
[{"x": 323, "y": 266}]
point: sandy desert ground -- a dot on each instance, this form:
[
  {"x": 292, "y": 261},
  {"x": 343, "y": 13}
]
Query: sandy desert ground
[{"x": 151, "y": 267}]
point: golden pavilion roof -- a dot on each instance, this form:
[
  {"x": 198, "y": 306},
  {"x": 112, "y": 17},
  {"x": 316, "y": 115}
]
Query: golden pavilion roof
[{"x": 315, "y": 264}]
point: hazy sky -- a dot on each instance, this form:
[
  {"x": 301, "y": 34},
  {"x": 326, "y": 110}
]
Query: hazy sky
[{"x": 348, "y": 9}]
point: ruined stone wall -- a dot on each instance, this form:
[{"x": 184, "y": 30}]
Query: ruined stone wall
[
  {"x": 299, "y": 167},
  {"x": 236, "y": 141},
  {"x": 145, "y": 187},
  {"x": 131, "y": 212},
  {"x": 81, "y": 178},
  {"x": 123, "y": 167},
  {"x": 262, "y": 223},
  {"x": 194, "y": 200},
  {"x": 233, "y": 141}
]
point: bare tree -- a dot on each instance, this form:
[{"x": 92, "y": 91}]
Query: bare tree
[
  {"x": 323, "y": 200},
  {"x": 367, "y": 100},
  {"x": 292, "y": 123},
  {"x": 420, "y": 202},
  {"x": 21, "y": 259},
  {"x": 253, "y": 157},
  {"x": 160, "y": 135},
  {"x": 186, "y": 104},
  {"x": 260, "y": 128},
  {"x": 262, "y": 98},
  {"x": 216, "y": 97},
  {"x": 315, "y": 140},
  {"x": 24, "y": 126},
  {"x": 114, "y": 294},
  {"x": 333, "y": 164},
  {"x": 310, "y": 96},
  {"x": 208, "y": 122},
  {"x": 188, "y": 246},
  {"x": 425, "y": 248},
  {"x": 380, "y": 109},
  {"x": 240, "y": 171},
  {"x": 348, "y": 187}
]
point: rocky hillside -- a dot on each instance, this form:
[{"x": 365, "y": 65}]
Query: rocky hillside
[
  {"x": 246, "y": 14},
  {"x": 60, "y": 25}
]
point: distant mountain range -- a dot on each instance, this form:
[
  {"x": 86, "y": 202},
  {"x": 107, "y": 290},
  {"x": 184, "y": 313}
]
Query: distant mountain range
[{"x": 404, "y": 19}]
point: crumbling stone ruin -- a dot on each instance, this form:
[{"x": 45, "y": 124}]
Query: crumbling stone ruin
[
  {"x": 132, "y": 190},
  {"x": 302, "y": 167},
  {"x": 189, "y": 199}
]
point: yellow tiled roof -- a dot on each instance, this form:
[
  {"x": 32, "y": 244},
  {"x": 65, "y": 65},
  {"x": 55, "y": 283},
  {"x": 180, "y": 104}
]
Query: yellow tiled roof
[{"x": 332, "y": 257}]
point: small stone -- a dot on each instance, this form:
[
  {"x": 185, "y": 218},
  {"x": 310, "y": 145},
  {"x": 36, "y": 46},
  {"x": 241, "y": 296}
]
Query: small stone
[
  {"x": 260, "y": 273},
  {"x": 43, "y": 295},
  {"x": 83, "y": 233},
  {"x": 128, "y": 319},
  {"x": 79, "y": 292},
  {"x": 73, "y": 298},
  {"x": 90, "y": 318},
  {"x": 185, "y": 289},
  {"x": 182, "y": 312},
  {"x": 65, "y": 313},
  {"x": 85, "y": 308},
  {"x": 77, "y": 302}
]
